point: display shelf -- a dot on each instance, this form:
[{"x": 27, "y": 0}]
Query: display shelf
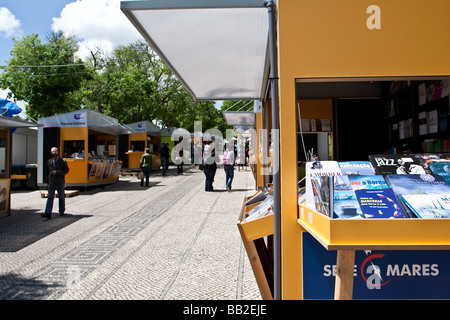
[
  {"x": 257, "y": 228},
  {"x": 253, "y": 234},
  {"x": 381, "y": 234}
]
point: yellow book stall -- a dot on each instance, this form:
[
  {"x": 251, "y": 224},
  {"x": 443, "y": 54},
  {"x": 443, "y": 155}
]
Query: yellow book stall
[
  {"x": 88, "y": 141},
  {"x": 147, "y": 135},
  {"x": 342, "y": 57},
  {"x": 7, "y": 126}
]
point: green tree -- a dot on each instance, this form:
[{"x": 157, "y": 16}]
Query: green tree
[{"x": 45, "y": 75}]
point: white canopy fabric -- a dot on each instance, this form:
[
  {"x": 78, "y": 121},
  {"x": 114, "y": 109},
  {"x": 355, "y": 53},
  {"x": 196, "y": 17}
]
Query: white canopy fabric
[
  {"x": 240, "y": 118},
  {"x": 218, "y": 49},
  {"x": 6, "y": 122},
  {"x": 86, "y": 118}
]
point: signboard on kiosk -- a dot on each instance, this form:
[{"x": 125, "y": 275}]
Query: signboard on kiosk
[{"x": 378, "y": 274}]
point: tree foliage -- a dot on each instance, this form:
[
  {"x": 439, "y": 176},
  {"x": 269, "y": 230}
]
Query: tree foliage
[
  {"x": 45, "y": 75},
  {"x": 130, "y": 84}
]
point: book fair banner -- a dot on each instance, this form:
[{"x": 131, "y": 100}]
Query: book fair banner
[{"x": 378, "y": 274}]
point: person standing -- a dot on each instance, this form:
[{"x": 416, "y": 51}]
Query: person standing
[
  {"x": 57, "y": 168},
  {"x": 228, "y": 166},
  {"x": 146, "y": 165},
  {"x": 164, "y": 158},
  {"x": 209, "y": 164}
]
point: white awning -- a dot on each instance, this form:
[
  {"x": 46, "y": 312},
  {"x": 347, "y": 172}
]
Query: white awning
[
  {"x": 218, "y": 49},
  {"x": 6, "y": 122},
  {"x": 240, "y": 118},
  {"x": 86, "y": 118}
]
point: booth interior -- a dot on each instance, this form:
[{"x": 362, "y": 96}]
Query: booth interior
[
  {"x": 350, "y": 120},
  {"x": 7, "y": 174},
  {"x": 89, "y": 145}
]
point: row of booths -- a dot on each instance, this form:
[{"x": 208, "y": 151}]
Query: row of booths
[{"x": 96, "y": 147}]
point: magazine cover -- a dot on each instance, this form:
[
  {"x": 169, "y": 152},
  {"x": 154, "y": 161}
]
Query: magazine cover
[
  {"x": 416, "y": 184},
  {"x": 317, "y": 169},
  {"x": 429, "y": 206},
  {"x": 323, "y": 194},
  {"x": 345, "y": 205},
  {"x": 441, "y": 169},
  {"x": 376, "y": 204},
  {"x": 356, "y": 168},
  {"x": 264, "y": 208},
  {"x": 425, "y": 159},
  {"x": 367, "y": 182},
  {"x": 384, "y": 164}
]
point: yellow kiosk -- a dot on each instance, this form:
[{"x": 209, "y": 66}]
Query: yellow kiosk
[
  {"x": 88, "y": 141},
  {"x": 317, "y": 46},
  {"x": 6, "y": 126},
  {"x": 147, "y": 136}
]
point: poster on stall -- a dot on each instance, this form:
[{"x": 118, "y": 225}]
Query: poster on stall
[{"x": 378, "y": 274}]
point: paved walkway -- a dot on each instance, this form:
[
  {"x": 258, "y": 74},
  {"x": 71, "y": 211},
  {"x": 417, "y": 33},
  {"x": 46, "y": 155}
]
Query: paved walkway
[{"x": 170, "y": 241}]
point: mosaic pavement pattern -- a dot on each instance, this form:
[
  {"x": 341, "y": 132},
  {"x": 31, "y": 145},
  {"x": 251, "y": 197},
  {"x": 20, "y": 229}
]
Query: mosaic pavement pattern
[{"x": 169, "y": 241}]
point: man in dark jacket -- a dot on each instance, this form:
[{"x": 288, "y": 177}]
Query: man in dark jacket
[
  {"x": 165, "y": 154},
  {"x": 57, "y": 168}
]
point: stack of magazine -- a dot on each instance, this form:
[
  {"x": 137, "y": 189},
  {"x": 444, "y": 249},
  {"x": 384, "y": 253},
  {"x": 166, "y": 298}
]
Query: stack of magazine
[
  {"x": 264, "y": 202},
  {"x": 386, "y": 186}
]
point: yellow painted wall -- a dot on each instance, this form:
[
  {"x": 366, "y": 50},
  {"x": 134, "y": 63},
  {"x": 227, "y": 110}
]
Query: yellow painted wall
[
  {"x": 77, "y": 167},
  {"x": 331, "y": 38}
]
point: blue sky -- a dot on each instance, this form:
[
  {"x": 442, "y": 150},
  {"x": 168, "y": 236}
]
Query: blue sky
[
  {"x": 34, "y": 17},
  {"x": 95, "y": 23}
]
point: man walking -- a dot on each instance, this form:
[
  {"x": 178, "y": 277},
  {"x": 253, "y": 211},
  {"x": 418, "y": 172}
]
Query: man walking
[
  {"x": 146, "y": 166},
  {"x": 165, "y": 154},
  {"x": 57, "y": 168}
]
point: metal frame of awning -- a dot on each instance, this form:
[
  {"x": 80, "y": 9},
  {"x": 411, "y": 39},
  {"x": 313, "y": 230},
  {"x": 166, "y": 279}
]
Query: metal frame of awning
[
  {"x": 237, "y": 64},
  {"x": 6, "y": 122}
]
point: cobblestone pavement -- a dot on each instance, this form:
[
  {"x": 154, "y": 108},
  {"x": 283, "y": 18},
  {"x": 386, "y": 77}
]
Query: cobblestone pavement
[{"x": 170, "y": 241}]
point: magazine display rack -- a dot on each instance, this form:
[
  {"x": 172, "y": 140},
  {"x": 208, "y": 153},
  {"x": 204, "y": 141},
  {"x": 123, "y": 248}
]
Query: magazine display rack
[
  {"x": 348, "y": 235},
  {"x": 253, "y": 235}
]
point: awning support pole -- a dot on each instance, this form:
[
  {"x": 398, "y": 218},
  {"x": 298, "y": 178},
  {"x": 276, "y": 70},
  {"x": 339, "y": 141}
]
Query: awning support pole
[{"x": 276, "y": 150}]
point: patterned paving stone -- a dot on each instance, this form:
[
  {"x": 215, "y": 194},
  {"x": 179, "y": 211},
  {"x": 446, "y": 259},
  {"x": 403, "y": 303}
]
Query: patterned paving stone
[{"x": 169, "y": 241}]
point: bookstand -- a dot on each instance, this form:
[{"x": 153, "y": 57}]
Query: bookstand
[
  {"x": 257, "y": 238},
  {"x": 346, "y": 236}
]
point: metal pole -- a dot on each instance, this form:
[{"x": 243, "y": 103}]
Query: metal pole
[{"x": 276, "y": 150}]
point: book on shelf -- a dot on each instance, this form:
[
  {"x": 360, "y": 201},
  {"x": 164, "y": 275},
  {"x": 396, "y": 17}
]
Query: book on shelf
[
  {"x": 423, "y": 123},
  {"x": 326, "y": 124},
  {"x": 257, "y": 197},
  {"x": 433, "y": 121},
  {"x": 381, "y": 203},
  {"x": 385, "y": 164},
  {"x": 305, "y": 125},
  {"x": 345, "y": 204},
  {"x": 367, "y": 182},
  {"x": 422, "y": 90},
  {"x": 317, "y": 169},
  {"x": 323, "y": 194},
  {"x": 356, "y": 167},
  {"x": 441, "y": 169},
  {"x": 416, "y": 184},
  {"x": 264, "y": 208},
  {"x": 428, "y": 206}
]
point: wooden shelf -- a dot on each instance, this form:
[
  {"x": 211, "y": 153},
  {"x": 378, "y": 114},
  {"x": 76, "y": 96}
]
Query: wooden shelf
[{"x": 376, "y": 234}]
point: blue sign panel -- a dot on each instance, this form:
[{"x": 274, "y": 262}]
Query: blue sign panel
[{"x": 378, "y": 274}]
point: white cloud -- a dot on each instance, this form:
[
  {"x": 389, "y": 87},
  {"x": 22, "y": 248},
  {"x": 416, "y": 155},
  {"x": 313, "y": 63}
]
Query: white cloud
[
  {"x": 9, "y": 24},
  {"x": 97, "y": 24}
]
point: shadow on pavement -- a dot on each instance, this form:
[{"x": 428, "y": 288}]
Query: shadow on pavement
[{"x": 24, "y": 227}]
